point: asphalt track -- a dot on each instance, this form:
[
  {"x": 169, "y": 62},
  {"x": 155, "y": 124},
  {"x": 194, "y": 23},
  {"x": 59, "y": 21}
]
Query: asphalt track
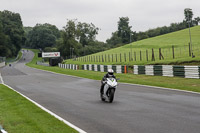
[{"x": 136, "y": 109}]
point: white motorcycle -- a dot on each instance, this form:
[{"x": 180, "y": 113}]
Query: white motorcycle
[{"x": 109, "y": 90}]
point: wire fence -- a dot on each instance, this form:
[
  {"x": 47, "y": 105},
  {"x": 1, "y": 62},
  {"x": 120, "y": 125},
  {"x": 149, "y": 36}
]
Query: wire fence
[{"x": 144, "y": 55}]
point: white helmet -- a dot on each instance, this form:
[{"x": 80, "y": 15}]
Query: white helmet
[{"x": 110, "y": 72}]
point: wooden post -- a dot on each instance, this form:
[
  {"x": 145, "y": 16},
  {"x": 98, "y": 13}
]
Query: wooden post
[
  {"x": 147, "y": 54},
  {"x": 102, "y": 59},
  {"x": 99, "y": 58},
  {"x": 153, "y": 57},
  {"x": 160, "y": 54},
  {"x": 105, "y": 57},
  {"x": 129, "y": 56},
  {"x": 125, "y": 57},
  {"x": 120, "y": 56},
  {"x": 189, "y": 50},
  {"x": 108, "y": 57},
  {"x": 116, "y": 57},
  {"x": 140, "y": 55},
  {"x": 173, "y": 51},
  {"x": 112, "y": 57},
  {"x": 135, "y": 55}
]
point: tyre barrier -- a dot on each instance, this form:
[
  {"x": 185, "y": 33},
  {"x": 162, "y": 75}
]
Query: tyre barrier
[
  {"x": 68, "y": 66},
  {"x": 104, "y": 68},
  {"x": 168, "y": 70}
]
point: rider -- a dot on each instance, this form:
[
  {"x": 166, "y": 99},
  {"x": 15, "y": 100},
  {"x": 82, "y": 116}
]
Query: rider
[{"x": 110, "y": 74}]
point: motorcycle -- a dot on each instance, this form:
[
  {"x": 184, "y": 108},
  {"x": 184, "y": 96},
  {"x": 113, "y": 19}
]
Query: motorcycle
[{"x": 109, "y": 90}]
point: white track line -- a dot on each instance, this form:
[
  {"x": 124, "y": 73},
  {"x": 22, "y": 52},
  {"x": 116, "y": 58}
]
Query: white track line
[
  {"x": 1, "y": 79},
  {"x": 163, "y": 88},
  {"x": 43, "y": 108}
]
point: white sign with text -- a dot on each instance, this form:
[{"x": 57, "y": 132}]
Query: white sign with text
[{"x": 50, "y": 54}]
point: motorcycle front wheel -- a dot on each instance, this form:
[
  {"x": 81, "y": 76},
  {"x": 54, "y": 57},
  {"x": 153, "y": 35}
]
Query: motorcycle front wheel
[{"x": 111, "y": 95}]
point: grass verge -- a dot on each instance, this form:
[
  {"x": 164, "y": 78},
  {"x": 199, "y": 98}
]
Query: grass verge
[
  {"x": 18, "y": 115},
  {"x": 160, "y": 81},
  {"x": 10, "y": 60}
]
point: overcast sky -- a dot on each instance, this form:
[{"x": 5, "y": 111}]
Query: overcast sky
[{"x": 104, "y": 14}]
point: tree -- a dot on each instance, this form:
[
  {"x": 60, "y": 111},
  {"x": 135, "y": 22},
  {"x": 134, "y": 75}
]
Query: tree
[
  {"x": 115, "y": 39},
  {"x": 124, "y": 30},
  {"x": 42, "y": 35},
  {"x": 68, "y": 43},
  {"x": 4, "y": 51},
  {"x": 12, "y": 32},
  {"x": 188, "y": 15},
  {"x": 142, "y": 35},
  {"x": 86, "y": 33},
  {"x": 196, "y": 20},
  {"x": 78, "y": 39},
  {"x": 123, "y": 35}
]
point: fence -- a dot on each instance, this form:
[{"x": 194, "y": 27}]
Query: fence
[
  {"x": 168, "y": 70},
  {"x": 144, "y": 55}
]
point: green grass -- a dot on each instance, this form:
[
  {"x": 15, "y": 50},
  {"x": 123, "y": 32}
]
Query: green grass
[
  {"x": 13, "y": 59},
  {"x": 179, "y": 40},
  {"x": 161, "y": 81},
  {"x": 18, "y": 115}
]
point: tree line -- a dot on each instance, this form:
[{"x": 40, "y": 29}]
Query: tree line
[
  {"x": 11, "y": 33},
  {"x": 125, "y": 35},
  {"x": 76, "y": 38}
]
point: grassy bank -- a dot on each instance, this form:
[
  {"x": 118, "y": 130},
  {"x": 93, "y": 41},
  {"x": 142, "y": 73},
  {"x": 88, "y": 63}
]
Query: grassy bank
[
  {"x": 141, "y": 51},
  {"x": 18, "y": 115},
  {"x": 169, "y": 82}
]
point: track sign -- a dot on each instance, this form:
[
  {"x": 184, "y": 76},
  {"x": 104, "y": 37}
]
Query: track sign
[{"x": 50, "y": 54}]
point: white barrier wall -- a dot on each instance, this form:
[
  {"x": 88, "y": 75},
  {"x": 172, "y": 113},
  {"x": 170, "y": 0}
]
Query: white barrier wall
[
  {"x": 68, "y": 66},
  {"x": 2, "y": 64},
  {"x": 168, "y": 70}
]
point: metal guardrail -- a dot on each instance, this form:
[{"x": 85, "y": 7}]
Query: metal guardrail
[{"x": 41, "y": 63}]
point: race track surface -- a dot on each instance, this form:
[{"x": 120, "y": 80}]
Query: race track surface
[{"x": 136, "y": 109}]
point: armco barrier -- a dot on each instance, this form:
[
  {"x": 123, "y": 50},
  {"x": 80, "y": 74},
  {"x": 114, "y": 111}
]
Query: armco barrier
[
  {"x": 41, "y": 63},
  {"x": 168, "y": 70},
  {"x": 68, "y": 66},
  {"x": 104, "y": 68},
  {"x": 2, "y": 64}
]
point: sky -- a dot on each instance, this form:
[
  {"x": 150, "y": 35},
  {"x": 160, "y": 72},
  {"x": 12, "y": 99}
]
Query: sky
[{"x": 104, "y": 14}]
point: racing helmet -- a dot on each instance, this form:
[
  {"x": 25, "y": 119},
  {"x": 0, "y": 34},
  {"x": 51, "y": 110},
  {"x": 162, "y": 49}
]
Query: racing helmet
[{"x": 110, "y": 72}]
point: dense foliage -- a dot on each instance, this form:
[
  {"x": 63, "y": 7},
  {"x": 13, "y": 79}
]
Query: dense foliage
[
  {"x": 42, "y": 35},
  {"x": 11, "y": 33},
  {"x": 78, "y": 39}
]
